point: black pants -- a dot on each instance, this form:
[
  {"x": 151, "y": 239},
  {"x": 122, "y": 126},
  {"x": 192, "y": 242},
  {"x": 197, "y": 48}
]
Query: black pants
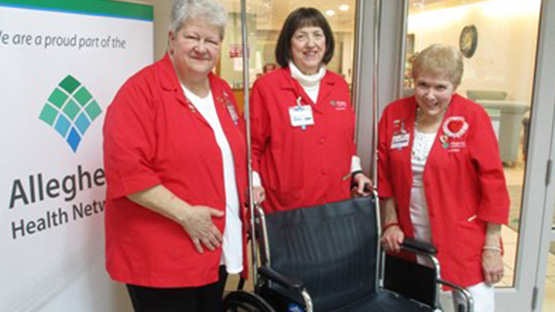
[{"x": 186, "y": 299}]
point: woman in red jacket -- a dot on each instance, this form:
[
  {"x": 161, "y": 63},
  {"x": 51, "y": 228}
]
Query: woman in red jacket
[
  {"x": 302, "y": 122},
  {"x": 440, "y": 176},
  {"x": 175, "y": 160}
]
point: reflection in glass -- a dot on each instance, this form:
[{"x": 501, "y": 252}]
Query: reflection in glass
[
  {"x": 265, "y": 18},
  {"x": 498, "y": 39}
]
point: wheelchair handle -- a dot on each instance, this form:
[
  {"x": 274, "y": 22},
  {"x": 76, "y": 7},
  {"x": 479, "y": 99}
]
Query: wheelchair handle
[
  {"x": 418, "y": 246},
  {"x": 285, "y": 281},
  {"x": 288, "y": 282}
]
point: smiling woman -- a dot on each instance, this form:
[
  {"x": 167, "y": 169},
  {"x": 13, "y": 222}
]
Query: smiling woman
[
  {"x": 307, "y": 48},
  {"x": 303, "y": 123},
  {"x": 194, "y": 51},
  {"x": 438, "y": 150},
  {"x": 436, "y": 79},
  {"x": 175, "y": 155}
]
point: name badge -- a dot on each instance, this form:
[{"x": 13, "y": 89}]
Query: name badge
[
  {"x": 400, "y": 141},
  {"x": 232, "y": 113},
  {"x": 301, "y": 116}
]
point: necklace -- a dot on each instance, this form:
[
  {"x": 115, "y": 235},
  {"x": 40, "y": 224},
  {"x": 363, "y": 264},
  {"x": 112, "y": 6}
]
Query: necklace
[{"x": 433, "y": 124}]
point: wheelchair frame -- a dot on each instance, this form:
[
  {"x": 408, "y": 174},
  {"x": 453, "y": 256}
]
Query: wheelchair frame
[{"x": 264, "y": 273}]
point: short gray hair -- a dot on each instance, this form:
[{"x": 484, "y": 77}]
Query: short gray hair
[
  {"x": 211, "y": 12},
  {"x": 440, "y": 59}
]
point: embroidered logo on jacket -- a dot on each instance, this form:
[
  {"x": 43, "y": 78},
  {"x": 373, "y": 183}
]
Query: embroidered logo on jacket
[{"x": 339, "y": 105}]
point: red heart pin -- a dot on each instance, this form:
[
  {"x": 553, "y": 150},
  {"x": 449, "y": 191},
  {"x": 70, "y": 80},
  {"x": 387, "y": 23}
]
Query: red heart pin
[{"x": 455, "y": 125}]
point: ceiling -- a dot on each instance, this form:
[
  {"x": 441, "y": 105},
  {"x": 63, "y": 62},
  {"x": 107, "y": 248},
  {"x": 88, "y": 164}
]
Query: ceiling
[
  {"x": 270, "y": 14},
  {"x": 435, "y": 4}
]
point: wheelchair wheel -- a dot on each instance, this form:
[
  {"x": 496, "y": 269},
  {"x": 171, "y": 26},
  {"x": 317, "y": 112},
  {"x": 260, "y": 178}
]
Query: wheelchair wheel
[{"x": 242, "y": 301}]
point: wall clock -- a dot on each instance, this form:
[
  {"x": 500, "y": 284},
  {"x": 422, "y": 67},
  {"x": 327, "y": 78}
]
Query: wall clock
[{"x": 468, "y": 41}]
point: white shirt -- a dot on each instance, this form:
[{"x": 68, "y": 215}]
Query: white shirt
[
  {"x": 310, "y": 83},
  {"x": 418, "y": 205},
  {"x": 232, "y": 246}
]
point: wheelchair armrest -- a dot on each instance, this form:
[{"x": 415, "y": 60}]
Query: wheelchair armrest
[
  {"x": 285, "y": 281},
  {"x": 464, "y": 292},
  {"x": 418, "y": 246}
]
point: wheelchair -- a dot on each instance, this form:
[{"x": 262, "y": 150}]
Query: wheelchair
[{"x": 328, "y": 258}]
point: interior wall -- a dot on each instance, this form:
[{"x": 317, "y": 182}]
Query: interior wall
[
  {"x": 507, "y": 37},
  {"x": 261, "y": 39},
  {"x": 162, "y": 10}
]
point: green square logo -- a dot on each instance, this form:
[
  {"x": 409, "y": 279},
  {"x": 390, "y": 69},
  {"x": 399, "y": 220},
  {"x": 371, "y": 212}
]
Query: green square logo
[
  {"x": 83, "y": 96},
  {"x": 66, "y": 110}
]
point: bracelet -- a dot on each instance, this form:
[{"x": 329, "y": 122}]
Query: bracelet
[
  {"x": 494, "y": 248},
  {"x": 389, "y": 225},
  {"x": 353, "y": 174}
]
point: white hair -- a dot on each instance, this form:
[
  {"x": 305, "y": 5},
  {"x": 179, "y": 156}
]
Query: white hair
[
  {"x": 211, "y": 12},
  {"x": 440, "y": 59}
]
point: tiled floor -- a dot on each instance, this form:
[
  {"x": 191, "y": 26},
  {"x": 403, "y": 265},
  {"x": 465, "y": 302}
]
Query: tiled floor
[
  {"x": 510, "y": 238},
  {"x": 549, "y": 297}
]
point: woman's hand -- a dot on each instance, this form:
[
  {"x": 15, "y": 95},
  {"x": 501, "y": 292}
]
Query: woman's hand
[
  {"x": 259, "y": 194},
  {"x": 492, "y": 265},
  {"x": 392, "y": 238},
  {"x": 362, "y": 185},
  {"x": 492, "y": 259},
  {"x": 197, "y": 222}
]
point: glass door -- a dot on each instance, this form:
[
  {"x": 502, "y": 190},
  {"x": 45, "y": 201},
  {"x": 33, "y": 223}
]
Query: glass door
[
  {"x": 504, "y": 43},
  {"x": 498, "y": 40},
  {"x": 545, "y": 276},
  {"x": 264, "y": 22}
]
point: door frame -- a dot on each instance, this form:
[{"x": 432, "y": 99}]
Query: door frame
[{"x": 545, "y": 93}]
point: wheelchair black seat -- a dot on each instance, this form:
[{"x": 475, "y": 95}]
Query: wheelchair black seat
[{"x": 328, "y": 258}]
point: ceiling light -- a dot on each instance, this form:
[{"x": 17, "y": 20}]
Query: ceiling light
[
  {"x": 330, "y": 12},
  {"x": 344, "y": 7}
]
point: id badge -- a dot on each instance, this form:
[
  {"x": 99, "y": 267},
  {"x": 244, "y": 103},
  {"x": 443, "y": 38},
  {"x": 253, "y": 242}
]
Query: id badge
[
  {"x": 301, "y": 116},
  {"x": 400, "y": 141},
  {"x": 232, "y": 113}
]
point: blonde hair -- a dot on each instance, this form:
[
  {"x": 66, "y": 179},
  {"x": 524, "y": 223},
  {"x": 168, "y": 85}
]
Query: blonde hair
[{"x": 440, "y": 59}]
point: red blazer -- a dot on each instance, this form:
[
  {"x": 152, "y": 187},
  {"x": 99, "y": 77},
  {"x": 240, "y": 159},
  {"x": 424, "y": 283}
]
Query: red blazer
[
  {"x": 464, "y": 182},
  {"x": 152, "y": 136},
  {"x": 299, "y": 167}
]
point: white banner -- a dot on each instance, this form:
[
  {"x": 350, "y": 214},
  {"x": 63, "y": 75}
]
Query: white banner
[{"x": 60, "y": 68}]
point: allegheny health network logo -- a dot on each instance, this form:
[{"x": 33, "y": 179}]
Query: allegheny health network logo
[{"x": 70, "y": 110}]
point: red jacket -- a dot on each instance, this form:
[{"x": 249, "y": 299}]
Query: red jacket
[
  {"x": 152, "y": 136},
  {"x": 299, "y": 167},
  {"x": 464, "y": 182}
]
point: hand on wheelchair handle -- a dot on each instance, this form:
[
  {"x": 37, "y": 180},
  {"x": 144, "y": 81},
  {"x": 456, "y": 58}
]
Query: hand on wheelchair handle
[
  {"x": 392, "y": 238},
  {"x": 259, "y": 194},
  {"x": 361, "y": 186}
]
